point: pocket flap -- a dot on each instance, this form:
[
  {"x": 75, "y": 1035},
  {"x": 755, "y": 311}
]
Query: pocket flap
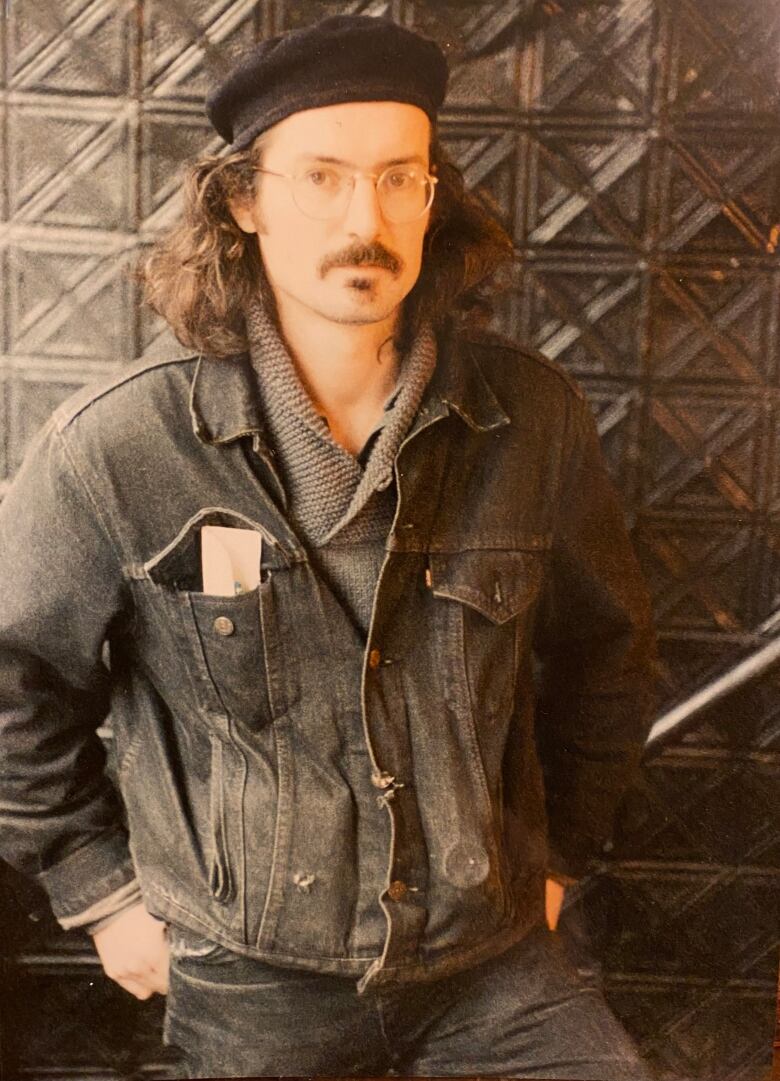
[
  {"x": 178, "y": 565},
  {"x": 499, "y": 584}
]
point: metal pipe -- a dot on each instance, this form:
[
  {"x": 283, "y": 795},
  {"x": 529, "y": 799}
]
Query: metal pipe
[{"x": 742, "y": 672}]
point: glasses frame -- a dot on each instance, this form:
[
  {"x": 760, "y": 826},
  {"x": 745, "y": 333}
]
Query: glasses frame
[{"x": 376, "y": 177}]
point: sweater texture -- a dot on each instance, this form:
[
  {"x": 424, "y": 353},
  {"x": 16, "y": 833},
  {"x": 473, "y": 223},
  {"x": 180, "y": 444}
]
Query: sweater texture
[{"x": 331, "y": 492}]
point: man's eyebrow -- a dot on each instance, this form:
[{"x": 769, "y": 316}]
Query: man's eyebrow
[{"x": 380, "y": 165}]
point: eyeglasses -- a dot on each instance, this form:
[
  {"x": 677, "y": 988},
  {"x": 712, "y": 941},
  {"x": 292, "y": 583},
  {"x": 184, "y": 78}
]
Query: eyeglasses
[{"x": 324, "y": 191}]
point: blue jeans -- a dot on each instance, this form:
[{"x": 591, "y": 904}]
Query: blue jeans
[{"x": 526, "y": 1013}]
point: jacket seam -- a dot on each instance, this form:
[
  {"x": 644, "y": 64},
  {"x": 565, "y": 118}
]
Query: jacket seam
[
  {"x": 519, "y": 351},
  {"x": 576, "y": 421},
  {"x": 68, "y": 454},
  {"x": 63, "y": 418}
]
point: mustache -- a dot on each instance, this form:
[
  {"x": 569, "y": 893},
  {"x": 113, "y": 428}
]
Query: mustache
[{"x": 362, "y": 254}]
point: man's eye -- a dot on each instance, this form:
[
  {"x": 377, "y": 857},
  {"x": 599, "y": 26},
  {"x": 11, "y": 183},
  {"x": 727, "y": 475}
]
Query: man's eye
[
  {"x": 401, "y": 179},
  {"x": 321, "y": 178}
]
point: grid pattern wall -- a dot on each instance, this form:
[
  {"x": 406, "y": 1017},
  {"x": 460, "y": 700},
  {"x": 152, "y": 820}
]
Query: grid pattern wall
[{"x": 631, "y": 149}]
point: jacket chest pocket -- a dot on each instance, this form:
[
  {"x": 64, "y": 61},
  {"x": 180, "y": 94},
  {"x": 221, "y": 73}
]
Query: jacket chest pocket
[
  {"x": 215, "y": 645},
  {"x": 493, "y": 595},
  {"x": 231, "y": 652}
]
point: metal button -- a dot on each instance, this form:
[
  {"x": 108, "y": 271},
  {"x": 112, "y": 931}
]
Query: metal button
[
  {"x": 396, "y": 891},
  {"x": 466, "y": 864},
  {"x": 224, "y": 626},
  {"x": 374, "y": 658}
]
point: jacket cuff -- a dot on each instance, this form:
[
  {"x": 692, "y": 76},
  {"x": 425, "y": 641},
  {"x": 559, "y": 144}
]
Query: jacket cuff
[
  {"x": 103, "y": 912},
  {"x": 88, "y": 875}
]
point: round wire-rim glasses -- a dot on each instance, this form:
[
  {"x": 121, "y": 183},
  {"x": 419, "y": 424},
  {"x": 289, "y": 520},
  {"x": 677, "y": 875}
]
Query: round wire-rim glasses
[{"x": 330, "y": 199}]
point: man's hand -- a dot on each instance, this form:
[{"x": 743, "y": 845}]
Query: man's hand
[
  {"x": 134, "y": 951},
  {"x": 553, "y": 899}
]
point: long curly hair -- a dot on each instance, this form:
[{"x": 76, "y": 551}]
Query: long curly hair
[{"x": 200, "y": 274}]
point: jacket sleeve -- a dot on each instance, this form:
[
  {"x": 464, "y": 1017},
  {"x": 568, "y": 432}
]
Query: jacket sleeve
[
  {"x": 596, "y": 648},
  {"x": 61, "y": 593}
]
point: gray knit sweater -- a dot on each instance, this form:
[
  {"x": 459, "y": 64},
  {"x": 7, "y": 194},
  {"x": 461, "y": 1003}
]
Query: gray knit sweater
[
  {"x": 330, "y": 491},
  {"x": 340, "y": 504}
]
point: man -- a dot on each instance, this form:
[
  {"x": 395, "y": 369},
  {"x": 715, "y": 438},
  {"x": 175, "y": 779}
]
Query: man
[{"x": 315, "y": 571}]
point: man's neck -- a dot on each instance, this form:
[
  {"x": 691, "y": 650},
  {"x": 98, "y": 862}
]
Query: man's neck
[{"x": 348, "y": 370}]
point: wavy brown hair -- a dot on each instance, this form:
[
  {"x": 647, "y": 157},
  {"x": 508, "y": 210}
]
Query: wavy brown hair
[{"x": 200, "y": 274}]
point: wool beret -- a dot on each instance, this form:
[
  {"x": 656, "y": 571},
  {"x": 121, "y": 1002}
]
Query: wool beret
[{"x": 341, "y": 58}]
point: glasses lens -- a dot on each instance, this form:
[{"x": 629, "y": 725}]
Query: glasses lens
[
  {"x": 405, "y": 192},
  {"x": 321, "y": 191}
]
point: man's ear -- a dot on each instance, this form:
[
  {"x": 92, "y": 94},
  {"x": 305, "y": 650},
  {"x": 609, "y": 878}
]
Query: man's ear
[{"x": 242, "y": 215}]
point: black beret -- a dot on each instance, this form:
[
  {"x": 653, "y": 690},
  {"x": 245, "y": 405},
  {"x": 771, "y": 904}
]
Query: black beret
[{"x": 342, "y": 58}]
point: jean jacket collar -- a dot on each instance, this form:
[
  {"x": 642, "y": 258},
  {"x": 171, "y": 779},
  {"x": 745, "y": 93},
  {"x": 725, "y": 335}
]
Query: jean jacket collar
[{"x": 224, "y": 405}]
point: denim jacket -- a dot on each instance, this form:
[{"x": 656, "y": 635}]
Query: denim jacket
[{"x": 281, "y": 778}]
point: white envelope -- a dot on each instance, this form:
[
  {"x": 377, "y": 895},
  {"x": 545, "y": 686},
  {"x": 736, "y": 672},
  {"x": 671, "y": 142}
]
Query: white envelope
[{"x": 230, "y": 559}]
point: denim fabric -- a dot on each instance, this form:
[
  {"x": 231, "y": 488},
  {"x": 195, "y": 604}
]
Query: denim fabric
[
  {"x": 526, "y": 1013},
  {"x": 289, "y": 787}
]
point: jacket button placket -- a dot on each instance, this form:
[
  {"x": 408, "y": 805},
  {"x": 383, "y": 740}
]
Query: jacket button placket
[{"x": 404, "y": 899}]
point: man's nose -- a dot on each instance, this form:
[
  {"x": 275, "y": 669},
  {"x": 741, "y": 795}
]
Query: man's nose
[{"x": 364, "y": 214}]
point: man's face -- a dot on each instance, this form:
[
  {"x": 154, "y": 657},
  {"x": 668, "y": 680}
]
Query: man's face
[{"x": 325, "y": 266}]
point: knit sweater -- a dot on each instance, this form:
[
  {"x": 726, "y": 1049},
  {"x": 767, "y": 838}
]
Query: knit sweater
[
  {"x": 342, "y": 505},
  {"x": 330, "y": 491}
]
